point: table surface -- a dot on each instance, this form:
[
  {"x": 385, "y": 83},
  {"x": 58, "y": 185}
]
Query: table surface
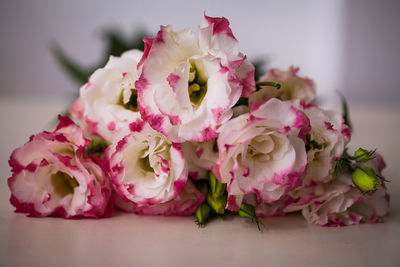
[{"x": 131, "y": 240}]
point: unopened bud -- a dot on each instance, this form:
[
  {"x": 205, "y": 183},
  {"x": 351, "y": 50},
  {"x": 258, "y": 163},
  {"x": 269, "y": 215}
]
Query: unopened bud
[
  {"x": 202, "y": 214},
  {"x": 366, "y": 179},
  {"x": 361, "y": 155}
]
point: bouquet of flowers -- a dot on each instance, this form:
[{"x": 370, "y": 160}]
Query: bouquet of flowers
[{"x": 184, "y": 128}]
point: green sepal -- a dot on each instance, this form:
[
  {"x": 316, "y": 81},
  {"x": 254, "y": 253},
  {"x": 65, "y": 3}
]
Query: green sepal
[
  {"x": 248, "y": 211},
  {"x": 96, "y": 147},
  {"x": 365, "y": 179},
  {"x": 202, "y": 213},
  {"x": 344, "y": 163}
]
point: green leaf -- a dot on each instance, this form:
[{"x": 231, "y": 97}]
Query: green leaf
[
  {"x": 242, "y": 101},
  {"x": 345, "y": 112},
  {"x": 73, "y": 69},
  {"x": 344, "y": 163},
  {"x": 259, "y": 68}
]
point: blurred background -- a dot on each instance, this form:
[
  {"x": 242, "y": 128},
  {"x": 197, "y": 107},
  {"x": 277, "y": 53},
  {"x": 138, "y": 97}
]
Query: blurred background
[{"x": 348, "y": 46}]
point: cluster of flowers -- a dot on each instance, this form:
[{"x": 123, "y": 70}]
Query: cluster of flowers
[{"x": 184, "y": 128}]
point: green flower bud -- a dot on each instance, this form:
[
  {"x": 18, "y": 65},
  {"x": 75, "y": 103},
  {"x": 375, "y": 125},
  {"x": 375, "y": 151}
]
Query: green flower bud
[
  {"x": 202, "y": 214},
  {"x": 247, "y": 211},
  {"x": 217, "y": 203},
  {"x": 217, "y": 196},
  {"x": 216, "y": 187},
  {"x": 366, "y": 179},
  {"x": 361, "y": 155}
]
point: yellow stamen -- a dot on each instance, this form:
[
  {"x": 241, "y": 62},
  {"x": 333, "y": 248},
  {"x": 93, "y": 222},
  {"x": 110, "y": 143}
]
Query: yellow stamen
[{"x": 194, "y": 88}]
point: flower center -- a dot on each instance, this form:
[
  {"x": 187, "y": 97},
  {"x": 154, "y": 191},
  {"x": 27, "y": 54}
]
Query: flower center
[
  {"x": 128, "y": 90},
  {"x": 63, "y": 184},
  {"x": 197, "y": 86},
  {"x": 132, "y": 103},
  {"x": 144, "y": 161}
]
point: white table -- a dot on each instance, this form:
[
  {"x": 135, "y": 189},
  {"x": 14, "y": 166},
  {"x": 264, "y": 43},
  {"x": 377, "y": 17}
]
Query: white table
[{"x": 131, "y": 240}]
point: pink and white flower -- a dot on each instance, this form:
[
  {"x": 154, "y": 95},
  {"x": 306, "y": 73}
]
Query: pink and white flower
[
  {"x": 188, "y": 86},
  {"x": 200, "y": 158},
  {"x": 51, "y": 176},
  {"x": 145, "y": 167},
  {"x": 183, "y": 204},
  {"x": 340, "y": 203},
  {"x": 325, "y": 142},
  {"x": 262, "y": 152},
  {"x": 292, "y": 87},
  {"x": 109, "y": 100}
]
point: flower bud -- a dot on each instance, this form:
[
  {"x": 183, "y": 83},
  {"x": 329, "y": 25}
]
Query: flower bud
[
  {"x": 217, "y": 203},
  {"x": 362, "y": 156},
  {"x": 365, "y": 179},
  {"x": 247, "y": 211},
  {"x": 217, "y": 196},
  {"x": 202, "y": 214},
  {"x": 216, "y": 187}
]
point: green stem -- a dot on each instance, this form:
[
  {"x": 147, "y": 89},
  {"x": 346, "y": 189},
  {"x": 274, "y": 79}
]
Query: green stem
[{"x": 274, "y": 84}]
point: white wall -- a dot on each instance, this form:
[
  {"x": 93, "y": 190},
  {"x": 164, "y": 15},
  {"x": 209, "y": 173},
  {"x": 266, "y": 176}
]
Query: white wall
[
  {"x": 310, "y": 34},
  {"x": 372, "y": 51}
]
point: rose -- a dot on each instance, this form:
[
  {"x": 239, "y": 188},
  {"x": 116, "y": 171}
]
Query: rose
[
  {"x": 183, "y": 204},
  {"x": 108, "y": 102},
  {"x": 188, "y": 86},
  {"x": 292, "y": 87},
  {"x": 325, "y": 142},
  {"x": 340, "y": 202},
  {"x": 262, "y": 152},
  {"x": 145, "y": 167},
  {"x": 51, "y": 176},
  {"x": 200, "y": 157}
]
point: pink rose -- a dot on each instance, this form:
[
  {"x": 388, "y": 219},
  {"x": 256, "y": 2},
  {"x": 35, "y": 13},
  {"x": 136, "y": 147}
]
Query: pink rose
[{"x": 51, "y": 176}]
